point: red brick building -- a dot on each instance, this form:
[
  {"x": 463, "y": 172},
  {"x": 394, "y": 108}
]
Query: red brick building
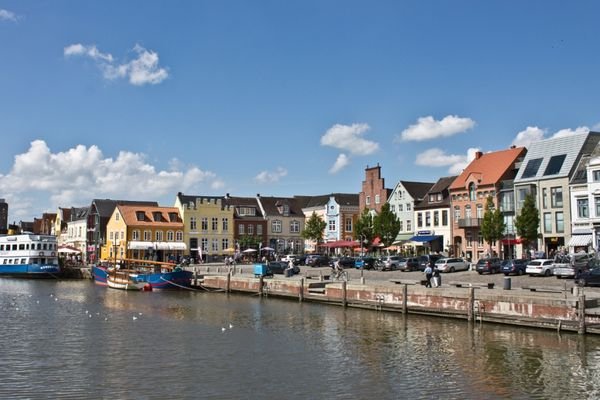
[{"x": 374, "y": 193}]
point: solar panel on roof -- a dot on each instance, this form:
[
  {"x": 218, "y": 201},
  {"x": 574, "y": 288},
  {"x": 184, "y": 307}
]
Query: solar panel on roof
[
  {"x": 555, "y": 164},
  {"x": 532, "y": 168}
]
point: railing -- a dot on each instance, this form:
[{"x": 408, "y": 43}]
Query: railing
[{"x": 469, "y": 222}]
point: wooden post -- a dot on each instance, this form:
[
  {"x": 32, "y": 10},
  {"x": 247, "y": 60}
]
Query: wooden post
[
  {"x": 344, "y": 292},
  {"x": 320, "y": 276},
  {"x": 581, "y": 308},
  {"x": 471, "y": 305},
  {"x": 301, "y": 291},
  {"x": 405, "y": 299},
  {"x": 260, "y": 285},
  {"x": 228, "y": 282}
]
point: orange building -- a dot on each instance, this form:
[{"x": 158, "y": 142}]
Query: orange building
[{"x": 469, "y": 192}]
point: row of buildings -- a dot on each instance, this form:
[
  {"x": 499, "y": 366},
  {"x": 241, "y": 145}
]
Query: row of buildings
[{"x": 562, "y": 174}]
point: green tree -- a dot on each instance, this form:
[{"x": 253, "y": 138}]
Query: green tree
[
  {"x": 313, "y": 229},
  {"x": 386, "y": 225},
  {"x": 247, "y": 241},
  {"x": 364, "y": 228},
  {"x": 528, "y": 222},
  {"x": 492, "y": 225}
]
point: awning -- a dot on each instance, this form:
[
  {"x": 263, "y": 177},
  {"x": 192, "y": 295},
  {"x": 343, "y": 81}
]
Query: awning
[
  {"x": 511, "y": 241},
  {"x": 137, "y": 245},
  {"x": 177, "y": 246},
  {"x": 580, "y": 240},
  {"x": 403, "y": 237},
  {"x": 424, "y": 238}
]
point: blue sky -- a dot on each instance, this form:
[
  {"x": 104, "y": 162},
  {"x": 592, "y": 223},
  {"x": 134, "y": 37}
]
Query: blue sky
[{"x": 142, "y": 99}]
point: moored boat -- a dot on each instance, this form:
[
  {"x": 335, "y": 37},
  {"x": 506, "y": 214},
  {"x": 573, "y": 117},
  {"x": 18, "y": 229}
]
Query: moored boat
[
  {"x": 150, "y": 274},
  {"x": 123, "y": 279},
  {"x": 29, "y": 256}
]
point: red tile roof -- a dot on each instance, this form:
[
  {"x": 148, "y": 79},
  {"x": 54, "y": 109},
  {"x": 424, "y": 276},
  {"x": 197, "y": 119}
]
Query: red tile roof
[{"x": 489, "y": 168}]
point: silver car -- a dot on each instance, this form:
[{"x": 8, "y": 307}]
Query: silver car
[{"x": 451, "y": 265}]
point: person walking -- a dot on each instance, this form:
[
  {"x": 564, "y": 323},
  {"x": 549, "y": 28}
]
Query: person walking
[
  {"x": 428, "y": 274},
  {"x": 436, "y": 278}
]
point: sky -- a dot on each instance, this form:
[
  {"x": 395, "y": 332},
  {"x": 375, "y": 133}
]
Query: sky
[{"x": 140, "y": 100}]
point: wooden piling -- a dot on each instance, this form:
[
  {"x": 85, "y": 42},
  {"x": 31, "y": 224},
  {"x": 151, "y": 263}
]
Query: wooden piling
[
  {"x": 228, "y": 282},
  {"x": 344, "y": 293},
  {"x": 301, "y": 291},
  {"x": 405, "y": 299},
  {"x": 260, "y": 285},
  {"x": 471, "y": 305},
  {"x": 581, "y": 309}
]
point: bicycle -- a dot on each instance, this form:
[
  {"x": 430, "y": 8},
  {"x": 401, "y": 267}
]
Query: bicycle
[{"x": 339, "y": 275}]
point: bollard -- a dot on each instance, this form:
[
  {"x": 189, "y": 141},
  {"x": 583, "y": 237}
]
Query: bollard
[
  {"x": 507, "y": 283},
  {"x": 362, "y": 280}
]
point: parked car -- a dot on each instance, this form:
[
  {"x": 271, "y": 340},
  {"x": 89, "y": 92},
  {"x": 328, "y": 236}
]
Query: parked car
[
  {"x": 410, "y": 264},
  {"x": 428, "y": 259},
  {"x": 289, "y": 257},
  {"x": 451, "y": 265},
  {"x": 566, "y": 266},
  {"x": 542, "y": 266},
  {"x": 365, "y": 262},
  {"x": 391, "y": 263},
  {"x": 590, "y": 277},
  {"x": 516, "y": 266},
  {"x": 279, "y": 267},
  {"x": 300, "y": 259},
  {"x": 317, "y": 260},
  {"x": 491, "y": 265},
  {"x": 345, "y": 262}
]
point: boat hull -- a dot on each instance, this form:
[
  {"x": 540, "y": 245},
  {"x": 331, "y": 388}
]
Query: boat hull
[
  {"x": 158, "y": 280},
  {"x": 30, "y": 271}
]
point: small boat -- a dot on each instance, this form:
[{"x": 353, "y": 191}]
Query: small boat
[
  {"x": 151, "y": 275},
  {"x": 123, "y": 279},
  {"x": 29, "y": 256}
]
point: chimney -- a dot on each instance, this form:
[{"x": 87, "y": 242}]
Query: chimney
[
  {"x": 257, "y": 194},
  {"x": 227, "y": 196},
  {"x": 478, "y": 155}
]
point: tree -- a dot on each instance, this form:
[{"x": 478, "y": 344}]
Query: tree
[
  {"x": 364, "y": 228},
  {"x": 313, "y": 229},
  {"x": 528, "y": 222},
  {"x": 386, "y": 225},
  {"x": 492, "y": 226}
]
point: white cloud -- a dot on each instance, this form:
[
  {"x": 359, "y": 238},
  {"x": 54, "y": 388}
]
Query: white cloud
[
  {"x": 596, "y": 127},
  {"x": 438, "y": 158},
  {"x": 140, "y": 71},
  {"x": 270, "y": 177},
  {"x": 533, "y": 134},
  {"x": 340, "y": 163},
  {"x": 6, "y": 15},
  {"x": 428, "y": 128},
  {"x": 80, "y": 174},
  {"x": 348, "y": 138}
]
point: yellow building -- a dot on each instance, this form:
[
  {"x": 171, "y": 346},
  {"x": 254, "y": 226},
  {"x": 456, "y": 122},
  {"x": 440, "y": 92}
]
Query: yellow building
[
  {"x": 208, "y": 226},
  {"x": 144, "y": 232}
]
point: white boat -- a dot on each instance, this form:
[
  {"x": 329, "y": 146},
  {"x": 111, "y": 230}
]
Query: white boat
[
  {"x": 123, "y": 279},
  {"x": 29, "y": 255}
]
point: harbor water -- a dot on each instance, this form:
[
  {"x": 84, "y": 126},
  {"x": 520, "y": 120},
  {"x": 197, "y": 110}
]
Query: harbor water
[{"x": 74, "y": 339}]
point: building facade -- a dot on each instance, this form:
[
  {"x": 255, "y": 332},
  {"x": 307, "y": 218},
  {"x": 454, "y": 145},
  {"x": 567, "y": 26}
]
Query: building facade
[
  {"x": 285, "y": 222},
  {"x": 373, "y": 192},
  {"x": 402, "y": 200}
]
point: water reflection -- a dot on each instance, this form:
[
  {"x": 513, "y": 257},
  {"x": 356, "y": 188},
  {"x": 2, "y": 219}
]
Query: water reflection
[{"x": 239, "y": 346}]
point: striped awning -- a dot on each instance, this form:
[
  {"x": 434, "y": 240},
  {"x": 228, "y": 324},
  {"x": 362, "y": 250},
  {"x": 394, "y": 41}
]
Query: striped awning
[{"x": 580, "y": 240}]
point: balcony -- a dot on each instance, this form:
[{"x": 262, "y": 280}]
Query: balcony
[{"x": 469, "y": 222}]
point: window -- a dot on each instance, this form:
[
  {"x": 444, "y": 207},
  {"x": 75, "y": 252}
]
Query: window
[
  {"x": 204, "y": 245},
  {"x": 393, "y": 208},
  {"x": 547, "y": 222},
  {"x": 560, "y": 222},
  {"x": 215, "y": 245},
  {"x": 170, "y": 236},
  {"x": 193, "y": 223},
  {"x": 135, "y": 235},
  {"x": 377, "y": 199},
  {"x": 331, "y": 225},
  {"x": 480, "y": 239},
  {"x": 582, "y": 208},
  {"x": 400, "y": 208},
  {"x": 436, "y": 218},
  {"x": 556, "y": 196},
  {"x": 179, "y": 236},
  {"x": 224, "y": 244},
  {"x": 159, "y": 236},
  {"x": 468, "y": 213},
  {"x": 419, "y": 220},
  {"x": 204, "y": 223},
  {"x": 444, "y": 217},
  {"x": 532, "y": 168},
  {"x": 259, "y": 230},
  {"x": 250, "y": 229},
  {"x": 456, "y": 213},
  {"x": 122, "y": 235},
  {"x": 147, "y": 236},
  {"x": 225, "y": 224},
  {"x": 555, "y": 164},
  {"x": 472, "y": 194},
  {"x": 427, "y": 219},
  {"x": 469, "y": 239},
  {"x": 276, "y": 226},
  {"x": 596, "y": 176},
  {"x": 241, "y": 229},
  {"x": 409, "y": 225},
  {"x": 401, "y": 225},
  {"x": 597, "y": 203},
  {"x": 348, "y": 224},
  {"x": 408, "y": 207},
  {"x": 479, "y": 211},
  {"x": 368, "y": 201},
  {"x": 214, "y": 224},
  {"x": 294, "y": 227},
  {"x": 117, "y": 216},
  {"x": 545, "y": 198}
]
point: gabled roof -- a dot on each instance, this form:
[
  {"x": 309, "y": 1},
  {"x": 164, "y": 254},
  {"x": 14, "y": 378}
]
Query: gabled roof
[
  {"x": 105, "y": 207},
  {"x": 489, "y": 168},
  {"x": 417, "y": 190},
  {"x": 441, "y": 186},
  {"x": 270, "y": 206},
  {"x": 129, "y": 215},
  {"x": 79, "y": 213},
  {"x": 343, "y": 199},
  {"x": 556, "y": 157},
  {"x": 236, "y": 202}
]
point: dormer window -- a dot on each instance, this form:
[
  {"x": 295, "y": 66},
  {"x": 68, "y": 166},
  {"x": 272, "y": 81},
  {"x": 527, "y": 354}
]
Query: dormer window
[
  {"x": 173, "y": 217},
  {"x": 157, "y": 216},
  {"x": 140, "y": 215},
  {"x": 286, "y": 210}
]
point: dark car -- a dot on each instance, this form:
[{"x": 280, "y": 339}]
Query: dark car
[
  {"x": 491, "y": 265},
  {"x": 300, "y": 260},
  {"x": 516, "y": 267},
  {"x": 590, "y": 277},
  {"x": 345, "y": 262},
  {"x": 365, "y": 262},
  {"x": 428, "y": 259},
  {"x": 317, "y": 260},
  {"x": 279, "y": 267},
  {"x": 411, "y": 264}
]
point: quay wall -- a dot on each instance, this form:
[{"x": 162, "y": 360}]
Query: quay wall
[{"x": 561, "y": 311}]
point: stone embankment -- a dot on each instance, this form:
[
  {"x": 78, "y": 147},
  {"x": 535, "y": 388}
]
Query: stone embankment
[{"x": 533, "y": 302}]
